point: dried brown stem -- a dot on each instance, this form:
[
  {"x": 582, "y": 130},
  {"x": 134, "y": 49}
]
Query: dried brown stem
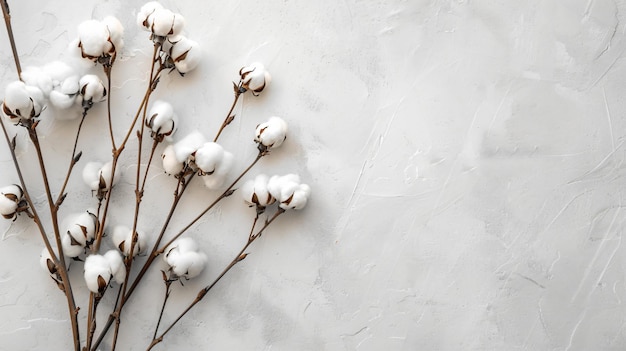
[
  {"x": 168, "y": 286},
  {"x": 139, "y": 188},
  {"x": 154, "y": 76},
  {"x": 202, "y": 293},
  {"x": 107, "y": 71},
  {"x": 156, "y": 251},
  {"x": 226, "y": 193},
  {"x": 7, "y": 22},
  {"x": 73, "y": 161},
  {"x": 229, "y": 116},
  {"x": 32, "y": 133}
]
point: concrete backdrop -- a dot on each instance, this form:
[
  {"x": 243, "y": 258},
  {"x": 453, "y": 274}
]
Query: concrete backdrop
[{"x": 466, "y": 160}]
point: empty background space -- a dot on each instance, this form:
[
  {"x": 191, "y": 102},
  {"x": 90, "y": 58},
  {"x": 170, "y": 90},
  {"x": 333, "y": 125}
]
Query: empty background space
[{"x": 466, "y": 160}]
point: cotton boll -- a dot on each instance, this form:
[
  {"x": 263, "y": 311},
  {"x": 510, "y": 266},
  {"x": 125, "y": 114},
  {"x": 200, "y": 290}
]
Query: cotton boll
[
  {"x": 93, "y": 39},
  {"x": 71, "y": 247},
  {"x": 188, "y": 145},
  {"x": 116, "y": 264},
  {"x": 255, "y": 77},
  {"x": 97, "y": 273},
  {"x": 146, "y": 11},
  {"x": 38, "y": 99},
  {"x": 184, "y": 259},
  {"x": 298, "y": 199},
  {"x": 47, "y": 263},
  {"x": 122, "y": 239},
  {"x": 105, "y": 172},
  {"x": 185, "y": 53},
  {"x": 91, "y": 88},
  {"x": 82, "y": 227},
  {"x": 255, "y": 192},
  {"x": 272, "y": 133},
  {"x": 91, "y": 175},
  {"x": 8, "y": 208},
  {"x": 163, "y": 22},
  {"x": 216, "y": 179},
  {"x": 180, "y": 246},
  {"x": 163, "y": 120},
  {"x": 116, "y": 32},
  {"x": 189, "y": 264},
  {"x": 22, "y": 101},
  {"x": 289, "y": 192},
  {"x": 10, "y": 198},
  {"x": 98, "y": 176},
  {"x": 171, "y": 165},
  {"x": 183, "y": 245},
  {"x": 209, "y": 156}
]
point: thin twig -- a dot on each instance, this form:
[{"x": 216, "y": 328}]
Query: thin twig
[
  {"x": 32, "y": 133},
  {"x": 168, "y": 285},
  {"x": 229, "y": 116},
  {"x": 107, "y": 71},
  {"x": 226, "y": 193},
  {"x": 202, "y": 293},
  {"x": 73, "y": 161},
  {"x": 7, "y": 22},
  {"x": 177, "y": 195},
  {"x": 138, "y": 191}
]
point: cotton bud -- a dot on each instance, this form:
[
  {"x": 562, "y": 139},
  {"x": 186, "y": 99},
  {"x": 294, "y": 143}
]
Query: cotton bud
[
  {"x": 187, "y": 146},
  {"x": 92, "y": 89},
  {"x": 184, "y": 52},
  {"x": 271, "y": 134},
  {"x": 122, "y": 238},
  {"x": 255, "y": 192},
  {"x": 22, "y": 102},
  {"x": 289, "y": 192},
  {"x": 11, "y": 201},
  {"x": 184, "y": 259},
  {"x": 97, "y": 273},
  {"x": 162, "y": 121},
  {"x": 81, "y": 228},
  {"x": 171, "y": 165},
  {"x": 98, "y": 176},
  {"x": 214, "y": 164},
  {"x": 116, "y": 265},
  {"x": 254, "y": 78}
]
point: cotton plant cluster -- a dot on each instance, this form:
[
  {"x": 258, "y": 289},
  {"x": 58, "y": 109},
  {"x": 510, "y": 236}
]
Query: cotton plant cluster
[
  {"x": 167, "y": 29},
  {"x": 77, "y": 242},
  {"x": 65, "y": 90},
  {"x": 194, "y": 153}
]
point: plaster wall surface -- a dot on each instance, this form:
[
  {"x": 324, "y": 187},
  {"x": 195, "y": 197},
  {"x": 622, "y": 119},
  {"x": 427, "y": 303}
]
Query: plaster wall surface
[{"x": 466, "y": 160}]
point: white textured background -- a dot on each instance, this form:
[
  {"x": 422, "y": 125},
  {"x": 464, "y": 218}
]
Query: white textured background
[{"x": 466, "y": 160}]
